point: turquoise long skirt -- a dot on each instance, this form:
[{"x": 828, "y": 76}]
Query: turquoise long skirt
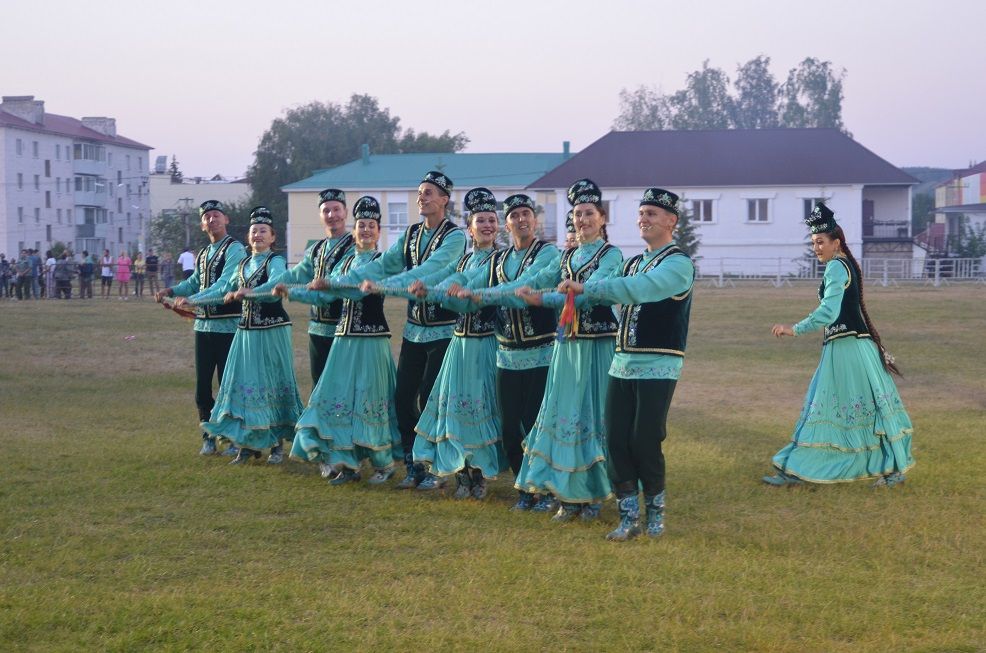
[
  {"x": 853, "y": 424},
  {"x": 351, "y": 416},
  {"x": 565, "y": 452},
  {"x": 460, "y": 425},
  {"x": 258, "y": 403}
]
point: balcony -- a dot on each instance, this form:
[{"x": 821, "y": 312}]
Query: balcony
[
  {"x": 85, "y": 231},
  {"x": 886, "y": 230}
]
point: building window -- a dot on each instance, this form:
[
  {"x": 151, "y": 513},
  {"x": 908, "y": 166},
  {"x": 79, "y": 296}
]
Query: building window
[
  {"x": 112, "y": 219},
  {"x": 119, "y": 177},
  {"x": 58, "y": 214},
  {"x": 47, "y": 167},
  {"x": 37, "y": 216},
  {"x": 34, "y": 148},
  {"x": 128, "y": 218},
  {"x": 756, "y": 210},
  {"x": 37, "y": 182},
  {"x": 109, "y": 158},
  {"x": 68, "y": 216},
  {"x": 119, "y": 205},
  {"x": 58, "y": 151},
  {"x": 20, "y": 181},
  {"x": 397, "y": 214},
  {"x": 119, "y": 236},
  {"x": 20, "y": 147},
  {"x": 48, "y": 232},
  {"x": 810, "y": 204},
  {"x": 89, "y": 152},
  {"x": 47, "y": 199},
  {"x": 128, "y": 168},
  {"x": 702, "y": 211},
  {"x": 20, "y": 217}
]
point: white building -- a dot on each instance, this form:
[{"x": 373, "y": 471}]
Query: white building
[
  {"x": 748, "y": 190},
  {"x": 69, "y": 180},
  {"x": 170, "y": 196}
]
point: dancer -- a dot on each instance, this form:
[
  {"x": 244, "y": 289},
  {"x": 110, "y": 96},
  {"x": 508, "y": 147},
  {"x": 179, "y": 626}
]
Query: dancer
[
  {"x": 351, "y": 416},
  {"x": 459, "y": 430},
  {"x": 655, "y": 293},
  {"x": 565, "y": 452},
  {"x": 257, "y": 404},
  {"x": 433, "y": 245},
  {"x": 319, "y": 261},
  {"x": 214, "y": 325},
  {"x": 853, "y": 424}
]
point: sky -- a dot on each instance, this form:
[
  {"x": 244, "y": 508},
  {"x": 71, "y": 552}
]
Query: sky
[{"x": 203, "y": 80}]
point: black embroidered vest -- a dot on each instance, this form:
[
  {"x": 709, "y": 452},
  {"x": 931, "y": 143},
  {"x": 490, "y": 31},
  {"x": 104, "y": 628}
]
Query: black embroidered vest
[
  {"x": 521, "y": 328},
  {"x": 850, "y": 320},
  {"x": 362, "y": 317},
  {"x": 209, "y": 272},
  {"x": 325, "y": 258},
  {"x": 426, "y": 313},
  {"x": 260, "y": 315},
  {"x": 655, "y": 327},
  {"x": 595, "y": 321},
  {"x": 482, "y": 323}
]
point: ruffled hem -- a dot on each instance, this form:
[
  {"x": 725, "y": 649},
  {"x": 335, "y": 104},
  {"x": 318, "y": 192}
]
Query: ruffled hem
[{"x": 448, "y": 458}]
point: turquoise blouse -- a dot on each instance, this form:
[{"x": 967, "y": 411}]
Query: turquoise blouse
[{"x": 235, "y": 253}]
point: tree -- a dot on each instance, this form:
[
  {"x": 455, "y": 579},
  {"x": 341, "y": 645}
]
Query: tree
[
  {"x": 685, "y": 234},
  {"x": 971, "y": 241},
  {"x": 321, "y": 135},
  {"x": 922, "y": 206},
  {"x": 812, "y": 96},
  {"x": 704, "y": 103},
  {"x": 176, "y": 176},
  {"x": 643, "y": 109},
  {"x": 755, "y": 105}
]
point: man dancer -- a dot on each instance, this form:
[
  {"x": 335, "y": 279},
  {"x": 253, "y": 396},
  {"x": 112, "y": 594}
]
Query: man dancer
[
  {"x": 319, "y": 261},
  {"x": 214, "y": 325},
  {"x": 426, "y": 247},
  {"x": 655, "y": 291}
]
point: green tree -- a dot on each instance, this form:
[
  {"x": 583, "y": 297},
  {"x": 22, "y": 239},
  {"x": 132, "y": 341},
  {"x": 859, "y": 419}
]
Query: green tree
[
  {"x": 685, "y": 234},
  {"x": 321, "y": 135},
  {"x": 643, "y": 109},
  {"x": 704, "y": 103},
  {"x": 922, "y": 206},
  {"x": 176, "y": 176},
  {"x": 812, "y": 95},
  {"x": 971, "y": 241},
  {"x": 755, "y": 104}
]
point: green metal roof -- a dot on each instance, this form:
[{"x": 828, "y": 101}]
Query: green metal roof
[{"x": 383, "y": 171}]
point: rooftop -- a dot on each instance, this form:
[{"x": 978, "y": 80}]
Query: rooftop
[{"x": 52, "y": 123}]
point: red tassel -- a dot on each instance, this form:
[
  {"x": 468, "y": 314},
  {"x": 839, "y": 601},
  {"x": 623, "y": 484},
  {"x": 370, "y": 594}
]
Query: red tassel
[{"x": 566, "y": 322}]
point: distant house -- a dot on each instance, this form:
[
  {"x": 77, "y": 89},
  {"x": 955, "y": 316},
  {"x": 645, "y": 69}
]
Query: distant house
[
  {"x": 748, "y": 191},
  {"x": 69, "y": 180},
  {"x": 174, "y": 197},
  {"x": 393, "y": 180},
  {"x": 961, "y": 197}
]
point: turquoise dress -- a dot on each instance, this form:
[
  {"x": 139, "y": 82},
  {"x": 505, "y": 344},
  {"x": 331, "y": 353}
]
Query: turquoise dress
[
  {"x": 565, "y": 453},
  {"x": 351, "y": 415},
  {"x": 460, "y": 425},
  {"x": 258, "y": 403},
  {"x": 853, "y": 424}
]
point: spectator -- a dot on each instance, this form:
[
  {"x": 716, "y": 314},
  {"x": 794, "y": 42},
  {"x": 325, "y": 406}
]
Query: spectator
[
  {"x": 152, "y": 270},
  {"x": 49, "y": 271},
  {"x": 187, "y": 262},
  {"x": 86, "y": 269},
  {"x": 4, "y": 276},
  {"x": 23, "y": 274},
  {"x": 106, "y": 273},
  {"x": 140, "y": 269},
  {"x": 35, "y": 273},
  {"x": 123, "y": 272},
  {"x": 62, "y": 275},
  {"x": 167, "y": 270}
]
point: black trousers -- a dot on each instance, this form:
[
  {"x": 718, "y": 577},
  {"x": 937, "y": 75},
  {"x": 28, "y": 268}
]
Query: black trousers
[
  {"x": 417, "y": 368},
  {"x": 211, "y": 351},
  {"x": 318, "y": 353},
  {"x": 636, "y": 425},
  {"x": 519, "y": 396}
]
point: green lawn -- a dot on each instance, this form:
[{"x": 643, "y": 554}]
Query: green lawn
[{"x": 115, "y": 535}]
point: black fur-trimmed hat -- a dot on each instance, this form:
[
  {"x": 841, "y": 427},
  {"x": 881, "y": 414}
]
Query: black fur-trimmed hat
[
  {"x": 211, "y": 205},
  {"x": 480, "y": 199},
  {"x": 366, "y": 208},
  {"x": 518, "y": 201},
  {"x": 261, "y": 215},
  {"x": 584, "y": 191},
  {"x": 662, "y": 199},
  {"x": 821, "y": 219},
  {"x": 437, "y": 178},
  {"x": 332, "y": 195}
]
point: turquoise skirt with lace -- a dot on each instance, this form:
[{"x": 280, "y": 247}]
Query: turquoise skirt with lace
[
  {"x": 565, "y": 452},
  {"x": 853, "y": 424},
  {"x": 351, "y": 415}
]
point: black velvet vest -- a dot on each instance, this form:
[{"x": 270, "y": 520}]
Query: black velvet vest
[
  {"x": 850, "y": 320},
  {"x": 521, "y": 328},
  {"x": 325, "y": 258},
  {"x": 482, "y": 323},
  {"x": 260, "y": 315},
  {"x": 426, "y": 313},
  {"x": 654, "y": 327},
  {"x": 209, "y": 272},
  {"x": 596, "y": 321},
  {"x": 362, "y": 317}
]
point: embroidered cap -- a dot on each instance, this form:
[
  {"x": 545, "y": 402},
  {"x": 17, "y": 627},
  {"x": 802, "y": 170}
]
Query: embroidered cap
[
  {"x": 662, "y": 199},
  {"x": 366, "y": 208},
  {"x": 331, "y": 195},
  {"x": 516, "y": 202},
  {"x": 438, "y": 179},
  {"x": 261, "y": 215},
  {"x": 480, "y": 199},
  {"x": 584, "y": 191},
  {"x": 821, "y": 219},
  {"x": 211, "y": 205},
  {"x": 570, "y": 222}
]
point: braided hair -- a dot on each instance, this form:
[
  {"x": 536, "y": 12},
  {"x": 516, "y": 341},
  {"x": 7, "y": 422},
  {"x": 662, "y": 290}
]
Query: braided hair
[{"x": 885, "y": 358}]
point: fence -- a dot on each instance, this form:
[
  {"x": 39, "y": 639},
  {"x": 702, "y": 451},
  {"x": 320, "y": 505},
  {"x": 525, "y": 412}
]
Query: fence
[{"x": 782, "y": 271}]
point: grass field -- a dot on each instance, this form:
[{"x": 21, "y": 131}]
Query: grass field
[{"x": 116, "y": 536}]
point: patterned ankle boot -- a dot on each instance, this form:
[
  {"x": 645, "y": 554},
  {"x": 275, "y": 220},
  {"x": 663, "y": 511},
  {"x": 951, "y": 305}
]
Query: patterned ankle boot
[
  {"x": 412, "y": 479},
  {"x": 463, "y": 485},
  {"x": 655, "y": 514},
  {"x": 629, "y": 526}
]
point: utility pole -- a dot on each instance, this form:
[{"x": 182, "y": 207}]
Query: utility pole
[{"x": 186, "y": 205}]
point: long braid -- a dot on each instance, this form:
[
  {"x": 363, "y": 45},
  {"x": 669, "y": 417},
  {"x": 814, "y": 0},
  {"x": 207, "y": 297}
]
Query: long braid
[{"x": 888, "y": 365}]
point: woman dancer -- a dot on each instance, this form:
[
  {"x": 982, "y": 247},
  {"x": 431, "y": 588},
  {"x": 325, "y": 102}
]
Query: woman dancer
[
  {"x": 565, "y": 453},
  {"x": 257, "y": 404},
  {"x": 351, "y": 415},
  {"x": 853, "y": 424},
  {"x": 459, "y": 430}
]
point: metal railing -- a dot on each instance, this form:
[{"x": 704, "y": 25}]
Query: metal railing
[{"x": 782, "y": 271}]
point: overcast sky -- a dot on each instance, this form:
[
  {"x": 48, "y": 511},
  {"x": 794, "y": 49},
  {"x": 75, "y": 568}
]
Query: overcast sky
[{"x": 203, "y": 80}]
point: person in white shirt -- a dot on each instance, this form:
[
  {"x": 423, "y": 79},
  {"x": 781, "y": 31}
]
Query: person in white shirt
[{"x": 187, "y": 261}]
